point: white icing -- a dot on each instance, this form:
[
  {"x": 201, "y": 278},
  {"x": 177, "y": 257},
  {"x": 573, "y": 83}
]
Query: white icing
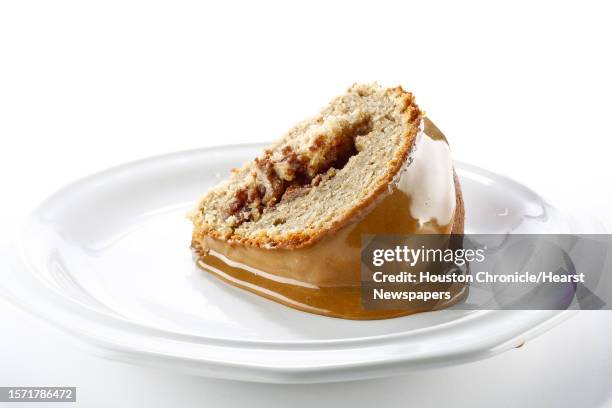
[{"x": 429, "y": 181}]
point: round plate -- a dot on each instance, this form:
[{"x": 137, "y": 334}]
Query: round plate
[{"x": 107, "y": 259}]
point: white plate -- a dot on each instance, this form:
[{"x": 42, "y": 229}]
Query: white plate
[{"x": 107, "y": 259}]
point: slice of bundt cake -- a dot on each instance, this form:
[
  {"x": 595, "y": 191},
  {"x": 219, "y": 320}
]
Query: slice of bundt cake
[{"x": 288, "y": 225}]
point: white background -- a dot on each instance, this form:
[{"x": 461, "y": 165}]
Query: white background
[{"x": 523, "y": 89}]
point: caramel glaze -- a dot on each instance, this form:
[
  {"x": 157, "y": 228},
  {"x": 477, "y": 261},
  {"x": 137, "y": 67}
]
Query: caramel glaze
[{"x": 324, "y": 278}]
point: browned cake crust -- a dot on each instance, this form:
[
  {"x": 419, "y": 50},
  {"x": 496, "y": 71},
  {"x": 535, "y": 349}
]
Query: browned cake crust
[{"x": 459, "y": 218}]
